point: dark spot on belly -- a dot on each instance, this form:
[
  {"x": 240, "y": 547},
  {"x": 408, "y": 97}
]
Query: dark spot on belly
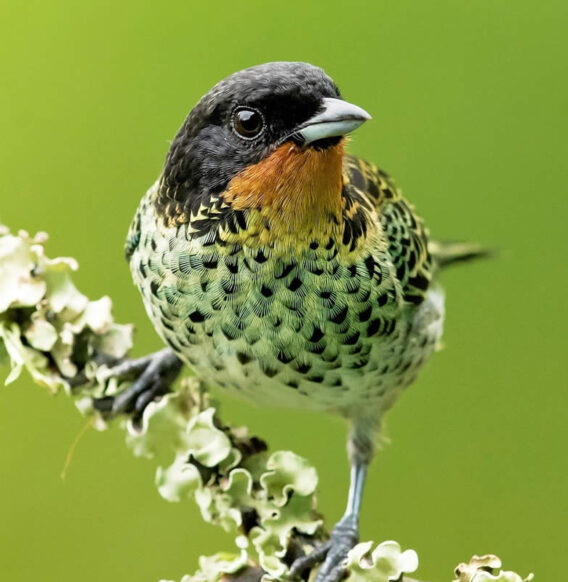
[
  {"x": 229, "y": 332},
  {"x": 303, "y": 368},
  {"x": 286, "y": 270},
  {"x": 232, "y": 264},
  {"x": 317, "y": 335},
  {"x": 243, "y": 358},
  {"x": 314, "y": 270},
  {"x": 266, "y": 291},
  {"x": 373, "y": 327},
  {"x": 230, "y": 286},
  {"x": 269, "y": 371},
  {"x": 284, "y": 357},
  {"x": 292, "y": 384},
  {"x": 318, "y": 379},
  {"x": 340, "y": 316},
  {"x": 370, "y": 264},
  {"x": 366, "y": 313},
  {"x": 295, "y": 284},
  {"x": 196, "y": 316},
  {"x": 210, "y": 263},
  {"x": 316, "y": 348},
  {"x": 352, "y": 339},
  {"x": 260, "y": 257}
]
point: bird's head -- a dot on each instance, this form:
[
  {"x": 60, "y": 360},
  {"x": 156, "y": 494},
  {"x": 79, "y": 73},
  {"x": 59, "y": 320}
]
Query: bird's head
[{"x": 267, "y": 142}]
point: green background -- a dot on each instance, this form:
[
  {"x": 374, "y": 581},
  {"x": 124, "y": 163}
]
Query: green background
[{"x": 469, "y": 104}]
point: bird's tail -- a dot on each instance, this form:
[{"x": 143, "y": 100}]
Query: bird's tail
[{"x": 447, "y": 253}]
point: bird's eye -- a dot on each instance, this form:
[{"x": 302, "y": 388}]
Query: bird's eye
[{"x": 248, "y": 123}]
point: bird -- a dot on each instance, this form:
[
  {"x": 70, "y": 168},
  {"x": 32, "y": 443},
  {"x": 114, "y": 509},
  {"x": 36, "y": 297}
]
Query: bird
[{"x": 282, "y": 269}]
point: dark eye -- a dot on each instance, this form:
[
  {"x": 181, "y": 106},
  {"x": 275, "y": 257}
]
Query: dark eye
[{"x": 248, "y": 123}]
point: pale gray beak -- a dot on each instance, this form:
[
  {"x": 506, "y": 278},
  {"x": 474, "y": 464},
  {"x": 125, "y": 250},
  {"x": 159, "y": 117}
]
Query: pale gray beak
[{"x": 337, "y": 118}]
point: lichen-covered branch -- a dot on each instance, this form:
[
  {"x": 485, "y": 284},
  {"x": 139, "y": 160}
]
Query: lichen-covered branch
[{"x": 267, "y": 500}]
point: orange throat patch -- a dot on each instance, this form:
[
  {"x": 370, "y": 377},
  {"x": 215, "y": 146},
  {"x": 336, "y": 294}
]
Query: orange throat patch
[{"x": 292, "y": 196}]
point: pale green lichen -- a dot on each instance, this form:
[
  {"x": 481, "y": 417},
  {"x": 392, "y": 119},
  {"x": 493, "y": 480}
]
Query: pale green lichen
[
  {"x": 384, "y": 563},
  {"x": 263, "y": 499},
  {"x": 486, "y": 569},
  {"x": 267, "y": 501},
  {"x": 47, "y": 326}
]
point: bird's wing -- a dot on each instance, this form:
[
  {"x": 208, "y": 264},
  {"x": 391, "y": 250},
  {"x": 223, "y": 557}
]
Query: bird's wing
[
  {"x": 415, "y": 257},
  {"x": 406, "y": 235}
]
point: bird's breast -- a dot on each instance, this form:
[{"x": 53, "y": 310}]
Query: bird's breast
[{"x": 311, "y": 328}]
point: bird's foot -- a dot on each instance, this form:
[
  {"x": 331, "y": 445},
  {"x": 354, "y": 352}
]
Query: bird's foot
[
  {"x": 152, "y": 376},
  {"x": 332, "y": 554}
]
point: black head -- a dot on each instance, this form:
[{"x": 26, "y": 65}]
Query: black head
[{"x": 242, "y": 119}]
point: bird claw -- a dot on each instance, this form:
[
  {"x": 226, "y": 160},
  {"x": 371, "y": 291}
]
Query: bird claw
[
  {"x": 332, "y": 554},
  {"x": 153, "y": 376}
]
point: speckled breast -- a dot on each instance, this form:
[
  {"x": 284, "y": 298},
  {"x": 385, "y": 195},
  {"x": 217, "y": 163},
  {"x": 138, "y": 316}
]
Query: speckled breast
[{"x": 312, "y": 330}]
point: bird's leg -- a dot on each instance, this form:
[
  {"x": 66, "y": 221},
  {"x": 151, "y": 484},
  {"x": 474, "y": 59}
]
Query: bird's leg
[
  {"x": 345, "y": 534},
  {"x": 153, "y": 376}
]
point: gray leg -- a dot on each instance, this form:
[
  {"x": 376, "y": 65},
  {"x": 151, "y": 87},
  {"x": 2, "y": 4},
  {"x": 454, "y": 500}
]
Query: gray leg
[{"x": 345, "y": 534}]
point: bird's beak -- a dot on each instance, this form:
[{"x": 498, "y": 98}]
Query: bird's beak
[{"x": 337, "y": 118}]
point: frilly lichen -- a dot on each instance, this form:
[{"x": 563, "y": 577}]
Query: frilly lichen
[
  {"x": 267, "y": 501},
  {"x": 486, "y": 569},
  {"x": 47, "y": 326}
]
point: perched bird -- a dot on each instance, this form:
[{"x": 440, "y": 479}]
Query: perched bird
[{"x": 280, "y": 268}]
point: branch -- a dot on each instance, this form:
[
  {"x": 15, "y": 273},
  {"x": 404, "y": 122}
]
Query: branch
[{"x": 267, "y": 500}]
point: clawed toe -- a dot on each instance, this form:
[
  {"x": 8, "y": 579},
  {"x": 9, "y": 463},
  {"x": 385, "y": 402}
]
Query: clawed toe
[
  {"x": 317, "y": 556},
  {"x": 153, "y": 376},
  {"x": 332, "y": 555}
]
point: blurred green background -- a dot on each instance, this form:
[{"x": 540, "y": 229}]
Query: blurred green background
[{"x": 469, "y": 103}]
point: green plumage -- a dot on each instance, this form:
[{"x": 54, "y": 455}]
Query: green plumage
[{"x": 323, "y": 329}]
